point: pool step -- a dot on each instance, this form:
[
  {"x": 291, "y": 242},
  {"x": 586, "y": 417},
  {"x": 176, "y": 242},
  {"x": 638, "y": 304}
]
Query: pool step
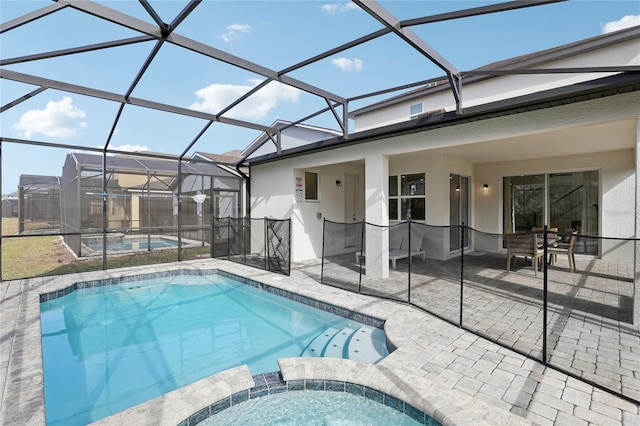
[{"x": 365, "y": 344}]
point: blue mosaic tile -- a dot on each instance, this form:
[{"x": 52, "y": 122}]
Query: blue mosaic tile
[
  {"x": 414, "y": 413},
  {"x": 258, "y": 392},
  {"x": 335, "y": 386},
  {"x": 294, "y": 385},
  {"x": 314, "y": 384},
  {"x": 260, "y": 380},
  {"x": 393, "y": 402},
  {"x": 354, "y": 389},
  {"x": 218, "y": 406},
  {"x": 199, "y": 416},
  {"x": 277, "y": 389},
  {"x": 239, "y": 397},
  {"x": 373, "y": 394}
]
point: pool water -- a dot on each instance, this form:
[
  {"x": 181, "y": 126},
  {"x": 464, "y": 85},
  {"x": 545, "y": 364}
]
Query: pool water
[
  {"x": 109, "y": 348},
  {"x": 311, "y": 408},
  {"x": 132, "y": 244}
]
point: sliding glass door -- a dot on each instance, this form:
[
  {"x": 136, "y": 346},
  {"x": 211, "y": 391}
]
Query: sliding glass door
[{"x": 566, "y": 201}]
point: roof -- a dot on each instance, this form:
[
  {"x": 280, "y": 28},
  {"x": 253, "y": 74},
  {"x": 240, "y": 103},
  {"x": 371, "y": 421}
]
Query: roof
[
  {"x": 580, "y": 92},
  {"x": 309, "y": 134},
  {"x": 523, "y": 62},
  {"x": 39, "y": 182},
  {"x": 141, "y": 164}
]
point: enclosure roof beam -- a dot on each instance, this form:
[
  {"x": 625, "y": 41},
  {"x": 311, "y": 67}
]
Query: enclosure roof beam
[
  {"x": 110, "y": 96},
  {"x": 36, "y": 14}
]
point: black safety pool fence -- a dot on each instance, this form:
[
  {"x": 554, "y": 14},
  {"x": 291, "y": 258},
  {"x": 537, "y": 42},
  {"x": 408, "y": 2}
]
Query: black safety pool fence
[
  {"x": 567, "y": 300},
  {"x": 263, "y": 243}
]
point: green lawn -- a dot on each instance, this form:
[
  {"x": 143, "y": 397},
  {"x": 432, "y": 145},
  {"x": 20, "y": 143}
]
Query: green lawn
[{"x": 43, "y": 256}]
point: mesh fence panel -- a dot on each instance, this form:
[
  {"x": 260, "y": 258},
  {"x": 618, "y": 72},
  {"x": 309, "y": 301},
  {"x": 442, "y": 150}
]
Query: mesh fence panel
[
  {"x": 342, "y": 245},
  {"x": 260, "y": 243},
  {"x": 505, "y": 306},
  {"x": 590, "y": 327},
  {"x": 379, "y": 241},
  {"x": 278, "y": 245},
  {"x": 435, "y": 282}
]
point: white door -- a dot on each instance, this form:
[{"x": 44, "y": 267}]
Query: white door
[{"x": 350, "y": 208}]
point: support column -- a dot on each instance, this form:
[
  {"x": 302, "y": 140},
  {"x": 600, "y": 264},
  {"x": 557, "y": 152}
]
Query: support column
[{"x": 377, "y": 212}]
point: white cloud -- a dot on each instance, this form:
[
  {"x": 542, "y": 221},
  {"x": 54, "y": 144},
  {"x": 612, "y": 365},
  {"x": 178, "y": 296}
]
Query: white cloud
[
  {"x": 346, "y": 64},
  {"x": 625, "y": 22},
  {"x": 216, "y": 97},
  {"x": 129, "y": 148},
  {"x": 234, "y": 31},
  {"x": 57, "y": 120},
  {"x": 339, "y": 7}
]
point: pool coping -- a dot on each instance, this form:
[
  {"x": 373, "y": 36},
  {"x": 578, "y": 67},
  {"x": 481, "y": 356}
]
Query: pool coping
[{"x": 448, "y": 406}]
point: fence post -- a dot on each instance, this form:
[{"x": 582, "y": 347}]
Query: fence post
[
  {"x": 361, "y": 256},
  {"x": 228, "y": 237},
  {"x": 462, "y": 228},
  {"x": 409, "y": 270},
  {"x": 266, "y": 244},
  {"x": 544, "y": 297},
  {"x": 324, "y": 230},
  {"x": 289, "y": 248}
]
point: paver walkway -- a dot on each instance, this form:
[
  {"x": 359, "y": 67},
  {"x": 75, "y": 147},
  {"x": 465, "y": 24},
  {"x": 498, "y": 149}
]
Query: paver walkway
[{"x": 428, "y": 347}]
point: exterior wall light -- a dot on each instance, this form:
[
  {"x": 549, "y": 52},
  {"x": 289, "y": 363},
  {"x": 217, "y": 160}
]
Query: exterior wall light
[
  {"x": 485, "y": 187},
  {"x": 338, "y": 183}
]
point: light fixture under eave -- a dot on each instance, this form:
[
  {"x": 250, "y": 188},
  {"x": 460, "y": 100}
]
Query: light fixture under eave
[
  {"x": 485, "y": 187},
  {"x": 458, "y": 188}
]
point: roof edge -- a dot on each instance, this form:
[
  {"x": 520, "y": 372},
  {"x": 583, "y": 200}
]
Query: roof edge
[{"x": 579, "y": 92}]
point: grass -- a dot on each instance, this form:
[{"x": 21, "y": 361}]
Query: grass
[{"x": 44, "y": 256}]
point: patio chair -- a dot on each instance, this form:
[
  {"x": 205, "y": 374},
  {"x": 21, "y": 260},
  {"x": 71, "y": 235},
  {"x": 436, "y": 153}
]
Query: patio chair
[
  {"x": 396, "y": 236},
  {"x": 399, "y": 245},
  {"x": 524, "y": 245},
  {"x": 565, "y": 248},
  {"x": 406, "y": 249}
]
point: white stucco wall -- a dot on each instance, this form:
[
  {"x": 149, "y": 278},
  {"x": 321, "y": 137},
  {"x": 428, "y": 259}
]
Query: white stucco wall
[
  {"x": 275, "y": 182},
  {"x": 467, "y": 149},
  {"x": 508, "y": 86}
]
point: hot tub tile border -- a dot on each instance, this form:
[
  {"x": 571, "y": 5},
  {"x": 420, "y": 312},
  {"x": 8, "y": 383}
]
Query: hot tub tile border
[{"x": 272, "y": 383}]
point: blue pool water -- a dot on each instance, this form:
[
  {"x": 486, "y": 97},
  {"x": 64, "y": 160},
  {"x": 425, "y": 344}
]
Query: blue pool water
[
  {"x": 311, "y": 408},
  {"x": 132, "y": 244},
  {"x": 109, "y": 348}
]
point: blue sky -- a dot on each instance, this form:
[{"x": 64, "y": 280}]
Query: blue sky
[{"x": 273, "y": 34}]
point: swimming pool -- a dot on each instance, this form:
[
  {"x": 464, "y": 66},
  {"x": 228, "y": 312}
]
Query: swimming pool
[
  {"x": 121, "y": 243},
  {"x": 110, "y": 345}
]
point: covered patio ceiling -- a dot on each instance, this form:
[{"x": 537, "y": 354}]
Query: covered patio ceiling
[{"x": 584, "y": 139}]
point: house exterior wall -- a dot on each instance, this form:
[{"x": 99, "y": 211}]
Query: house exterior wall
[
  {"x": 508, "y": 86},
  {"x": 617, "y": 181},
  {"x": 466, "y": 149},
  {"x": 276, "y": 184}
]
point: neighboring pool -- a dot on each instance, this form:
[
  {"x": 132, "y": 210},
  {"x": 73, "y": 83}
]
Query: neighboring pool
[
  {"x": 112, "y": 345},
  {"x": 312, "y": 408},
  {"x": 128, "y": 243}
]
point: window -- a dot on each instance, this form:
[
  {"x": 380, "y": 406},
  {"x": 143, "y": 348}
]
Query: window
[
  {"x": 415, "y": 109},
  {"x": 407, "y": 197},
  {"x": 310, "y": 186}
]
